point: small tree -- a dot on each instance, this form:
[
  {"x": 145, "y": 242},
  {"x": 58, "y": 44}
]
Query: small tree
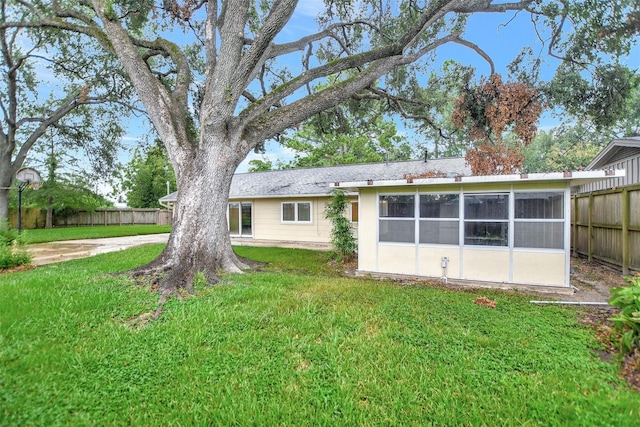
[
  {"x": 344, "y": 244},
  {"x": 146, "y": 177}
]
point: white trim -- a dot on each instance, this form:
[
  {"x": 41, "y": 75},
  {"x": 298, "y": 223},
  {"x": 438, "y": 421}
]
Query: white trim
[
  {"x": 488, "y": 220},
  {"x": 575, "y": 178},
  {"x": 511, "y": 230},
  {"x": 377, "y": 221},
  {"x": 295, "y": 212},
  {"x": 567, "y": 235},
  {"x": 416, "y": 231},
  {"x": 461, "y": 214}
]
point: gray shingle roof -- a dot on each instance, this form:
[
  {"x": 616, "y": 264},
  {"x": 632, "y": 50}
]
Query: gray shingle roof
[{"x": 315, "y": 181}]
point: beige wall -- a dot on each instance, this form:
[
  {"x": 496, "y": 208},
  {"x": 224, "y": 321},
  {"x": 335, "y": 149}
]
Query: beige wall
[
  {"x": 487, "y": 264},
  {"x": 268, "y": 225},
  {"x": 430, "y": 261},
  {"x": 367, "y": 237},
  {"x": 539, "y": 268},
  {"x": 397, "y": 259}
]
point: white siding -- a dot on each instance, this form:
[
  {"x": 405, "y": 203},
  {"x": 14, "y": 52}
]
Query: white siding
[{"x": 632, "y": 167}]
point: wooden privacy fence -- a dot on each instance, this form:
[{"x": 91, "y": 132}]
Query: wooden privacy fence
[
  {"x": 606, "y": 226},
  {"x": 36, "y": 217},
  {"x": 115, "y": 217}
]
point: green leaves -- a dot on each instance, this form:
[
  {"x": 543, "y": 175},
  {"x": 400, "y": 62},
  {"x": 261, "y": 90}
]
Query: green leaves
[
  {"x": 146, "y": 177},
  {"x": 628, "y": 320},
  {"x": 344, "y": 244},
  {"x": 353, "y": 132},
  {"x": 603, "y": 98}
]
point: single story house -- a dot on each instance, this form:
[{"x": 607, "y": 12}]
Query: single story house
[
  {"x": 622, "y": 153},
  {"x": 502, "y": 229},
  {"x": 288, "y": 205}
]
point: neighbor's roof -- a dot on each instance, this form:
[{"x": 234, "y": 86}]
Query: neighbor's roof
[
  {"x": 316, "y": 181},
  {"x": 617, "y": 150},
  {"x": 574, "y": 178}
]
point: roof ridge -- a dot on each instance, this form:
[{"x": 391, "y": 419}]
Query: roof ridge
[{"x": 352, "y": 165}]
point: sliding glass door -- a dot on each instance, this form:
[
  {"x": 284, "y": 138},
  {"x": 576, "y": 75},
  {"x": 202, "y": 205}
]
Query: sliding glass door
[{"x": 240, "y": 224}]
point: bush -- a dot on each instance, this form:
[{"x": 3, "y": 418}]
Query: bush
[
  {"x": 11, "y": 252},
  {"x": 627, "y": 298},
  {"x": 7, "y": 234},
  {"x": 344, "y": 244}
]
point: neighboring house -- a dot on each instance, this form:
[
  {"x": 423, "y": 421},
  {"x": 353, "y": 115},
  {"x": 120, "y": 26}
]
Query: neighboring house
[
  {"x": 288, "y": 205},
  {"x": 504, "y": 229},
  {"x": 623, "y": 153}
]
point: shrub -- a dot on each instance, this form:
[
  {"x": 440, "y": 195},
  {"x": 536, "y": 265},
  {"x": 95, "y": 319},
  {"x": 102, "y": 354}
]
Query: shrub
[
  {"x": 11, "y": 257},
  {"x": 7, "y": 234},
  {"x": 11, "y": 253},
  {"x": 344, "y": 244},
  {"x": 627, "y": 298}
]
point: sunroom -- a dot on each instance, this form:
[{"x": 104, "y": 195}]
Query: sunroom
[{"x": 504, "y": 229}]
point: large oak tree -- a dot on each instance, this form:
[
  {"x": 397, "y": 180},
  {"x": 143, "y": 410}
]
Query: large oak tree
[{"x": 249, "y": 87}]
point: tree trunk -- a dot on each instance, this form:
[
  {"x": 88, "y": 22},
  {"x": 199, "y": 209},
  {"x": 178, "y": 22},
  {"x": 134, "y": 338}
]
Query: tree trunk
[
  {"x": 49, "y": 221},
  {"x": 4, "y": 203},
  {"x": 199, "y": 241}
]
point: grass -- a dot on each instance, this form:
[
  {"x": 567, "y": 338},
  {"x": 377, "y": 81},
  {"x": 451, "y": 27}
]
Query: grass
[
  {"x": 294, "y": 344},
  {"x": 44, "y": 235}
]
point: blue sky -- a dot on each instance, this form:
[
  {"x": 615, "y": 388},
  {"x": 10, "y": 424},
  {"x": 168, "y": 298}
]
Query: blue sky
[{"x": 500, "y": 35}]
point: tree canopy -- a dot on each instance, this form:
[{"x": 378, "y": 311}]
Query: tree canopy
[
  {"x": 218, "y": 78},
  {"x": 353, "y": 132}
]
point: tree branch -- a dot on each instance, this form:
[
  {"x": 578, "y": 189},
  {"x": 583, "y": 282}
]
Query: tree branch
[
  {"x": 397, "y": 101},
  {"x": 279, "y": 15},
  {"x": 394, "y": 50},
  {"x": 476, "y": 6},
  {"x": 478, "y": 50}
]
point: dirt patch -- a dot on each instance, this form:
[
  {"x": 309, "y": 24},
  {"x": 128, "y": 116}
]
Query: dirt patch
[
  {"x": 17, "y": 269},
  {"x": 593, "y": 280}
]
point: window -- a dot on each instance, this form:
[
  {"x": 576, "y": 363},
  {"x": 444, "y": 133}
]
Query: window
[
  {"x": 439, "y": 219},
  {"x": 539, "y": 220},
  {"x": 397, "y": 218},
  {"x": 536, "y": 219},
  {"x": 397, "y": 206},
  {"x": 354, "y": 212},
  {"x": 486, "y": 219},
  {"x": 296, "y": 212}
]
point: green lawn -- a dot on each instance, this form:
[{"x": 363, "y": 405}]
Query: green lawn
[
  {"x": 43, "y": 235},
  {"x": 294, "y": 344}
]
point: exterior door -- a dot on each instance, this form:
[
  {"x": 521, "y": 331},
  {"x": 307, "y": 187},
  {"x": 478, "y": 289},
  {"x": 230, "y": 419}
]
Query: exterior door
[{"x": 240, "y": 219}]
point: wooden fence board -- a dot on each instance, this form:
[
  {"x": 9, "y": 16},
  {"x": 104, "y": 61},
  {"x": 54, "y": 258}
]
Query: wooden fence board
[{"x": 608, "y": 226}]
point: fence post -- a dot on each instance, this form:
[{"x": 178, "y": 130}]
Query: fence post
[
  {"x": 590, "y": 229},
  {"x": 575, "y": 225},
  {"x": 626, "y": 217}
]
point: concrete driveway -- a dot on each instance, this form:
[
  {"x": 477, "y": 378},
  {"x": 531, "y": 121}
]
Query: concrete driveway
[{"x": 48, "y": 253}]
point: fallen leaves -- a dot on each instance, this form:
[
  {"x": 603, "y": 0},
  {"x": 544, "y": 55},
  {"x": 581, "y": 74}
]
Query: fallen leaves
[{"x": 485, "y": 302}]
